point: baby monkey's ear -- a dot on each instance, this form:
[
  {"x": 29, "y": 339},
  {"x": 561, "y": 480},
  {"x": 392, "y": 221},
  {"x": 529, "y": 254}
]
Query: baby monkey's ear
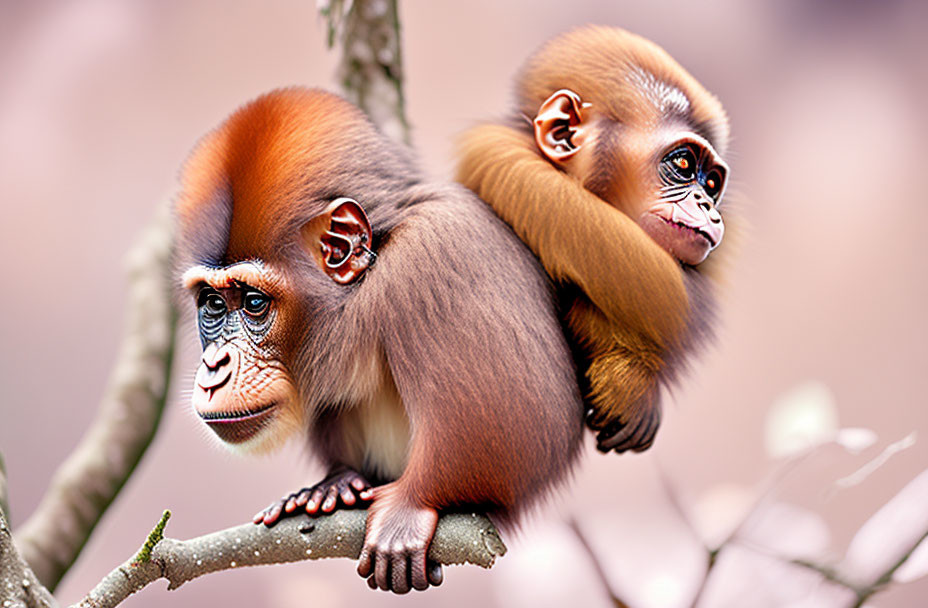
[{"x": 561, "y": 126}]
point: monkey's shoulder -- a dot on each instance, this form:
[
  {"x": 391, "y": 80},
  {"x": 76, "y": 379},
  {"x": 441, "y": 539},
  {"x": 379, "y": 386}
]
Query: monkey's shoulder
[
  {"x": 451, "y": 239},
  {"x": 453, "y": 221}
]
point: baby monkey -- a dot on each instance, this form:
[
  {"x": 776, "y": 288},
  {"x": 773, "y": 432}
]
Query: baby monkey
[{"x": 611, "y": 170}]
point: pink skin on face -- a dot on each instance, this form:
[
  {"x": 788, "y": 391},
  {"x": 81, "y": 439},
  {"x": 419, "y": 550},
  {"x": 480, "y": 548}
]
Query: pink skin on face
[{"x": 686, "y": 229}]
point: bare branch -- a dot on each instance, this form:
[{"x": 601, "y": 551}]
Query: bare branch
[
  {"x": 18, "y": 584},
  {"x": 4, "y": 495},
  {"x": 459, "y": 538},
  {"x": 370, "y": 70},
  {"x": 88, "y": 481},
  {"x": 597, "y": 565},
  {"x": 886, "y": 577},
  {"x": 864, "y": 591},
  {"x": 673, "y": 497}
]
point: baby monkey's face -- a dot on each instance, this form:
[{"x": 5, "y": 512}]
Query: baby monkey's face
[{"x": 684, "y": 217}]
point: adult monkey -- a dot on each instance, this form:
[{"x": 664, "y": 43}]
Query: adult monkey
[
  {"x": 615, "y": 184},
  {"x": 440, "y": 375}
]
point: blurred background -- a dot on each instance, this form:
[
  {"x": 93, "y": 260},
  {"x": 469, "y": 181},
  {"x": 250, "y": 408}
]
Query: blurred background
[{"x": 823, "y": 318}]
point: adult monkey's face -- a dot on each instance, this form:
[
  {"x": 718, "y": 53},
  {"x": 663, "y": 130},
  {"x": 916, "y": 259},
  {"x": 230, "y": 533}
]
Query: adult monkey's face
[{"x": 243, "y": 390}]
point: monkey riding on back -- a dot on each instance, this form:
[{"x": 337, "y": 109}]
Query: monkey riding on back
[
  {"x": 610, "y": 169},
  {"x": 408, "y": 335}
]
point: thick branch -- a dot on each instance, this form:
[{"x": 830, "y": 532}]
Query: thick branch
[
  {"x": 370, "y": 70},
  {"x": 460, "y": 538},
  {"x": 88, "y": 481},
  {"x": 18, "y": 585}
]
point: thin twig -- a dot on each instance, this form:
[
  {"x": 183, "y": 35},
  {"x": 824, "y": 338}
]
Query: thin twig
[
  {"x": 887, "y": 576},
  {"x": 597, "y": 565},
  {"x": 4, "y": 492},
  {"x": 768, "y": 486},
  {"x": 673, "y": 496}
]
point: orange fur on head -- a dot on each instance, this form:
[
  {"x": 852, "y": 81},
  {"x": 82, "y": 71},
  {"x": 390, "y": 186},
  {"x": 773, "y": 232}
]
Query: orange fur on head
[{"x": 439, "y": 374}]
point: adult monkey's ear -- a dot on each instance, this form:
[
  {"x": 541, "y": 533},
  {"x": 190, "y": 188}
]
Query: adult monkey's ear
[
  {"x": 559, "y": 126},
  {"x": 339, "y": 240}
]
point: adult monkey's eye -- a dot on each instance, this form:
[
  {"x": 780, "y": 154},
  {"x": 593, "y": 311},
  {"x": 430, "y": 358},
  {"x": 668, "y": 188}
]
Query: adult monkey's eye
[
  {"x": 714, "y": 184},
  {"x": 683, "y": 162},
  {"x": 255, "y": 303},
  {"x": 211, "y": 302}
]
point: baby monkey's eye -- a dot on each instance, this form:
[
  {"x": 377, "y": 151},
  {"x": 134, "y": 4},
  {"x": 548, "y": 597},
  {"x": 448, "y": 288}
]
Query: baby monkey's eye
[
  {"x": 714, "y": 184},
  {"x": 683, "y": 163}
]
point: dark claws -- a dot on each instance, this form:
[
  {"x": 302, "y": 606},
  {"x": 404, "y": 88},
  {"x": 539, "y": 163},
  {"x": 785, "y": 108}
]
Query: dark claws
[{"x": 636, "y": 435}]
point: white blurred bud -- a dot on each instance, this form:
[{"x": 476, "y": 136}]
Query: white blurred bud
[
  {"x": 855, "y": 439},
  {"x": 802, "y": 418}
]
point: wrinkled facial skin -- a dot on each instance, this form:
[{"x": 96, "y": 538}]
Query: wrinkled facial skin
[
  {"x": 685, "y": 219},
  {"x": 672, "y": 193},
  {"x": 241, "y": 391}
]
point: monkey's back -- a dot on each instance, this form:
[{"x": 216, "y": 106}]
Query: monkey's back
[{"x": 479, "y": 334}]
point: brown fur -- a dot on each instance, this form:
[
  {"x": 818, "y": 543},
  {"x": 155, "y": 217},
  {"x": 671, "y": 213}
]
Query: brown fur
[
  {"x": 595, "y": 62},
  {"x": 456, "y": 320},
  {"x": 632, "y": 310}
]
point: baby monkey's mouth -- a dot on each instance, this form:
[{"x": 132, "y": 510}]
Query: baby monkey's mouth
[{"x": 699, "y": 231}]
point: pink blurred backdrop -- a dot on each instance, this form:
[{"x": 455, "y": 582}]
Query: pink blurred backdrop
[{"x": 101, "y": 101}]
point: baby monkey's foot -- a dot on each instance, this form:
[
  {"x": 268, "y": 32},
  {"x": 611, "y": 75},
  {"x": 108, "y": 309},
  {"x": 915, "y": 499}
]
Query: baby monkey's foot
[{"x": 635, "y": 434}]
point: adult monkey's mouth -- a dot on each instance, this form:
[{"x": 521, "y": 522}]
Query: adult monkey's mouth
[{"x": 241, "y": 425}]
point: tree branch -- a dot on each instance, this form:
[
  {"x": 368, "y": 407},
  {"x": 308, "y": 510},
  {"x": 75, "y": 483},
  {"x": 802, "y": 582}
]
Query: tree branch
[
  {"x": 866, "y": 590},
  {"x": 370, "y": 70},
  {"x": 459, "y": 538},
  {"x": 88, "y": 481},
  {"x": 18, "y": 584},
  {"x": 4, "y": 495},
  {"x": 597, "y": 564}
]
